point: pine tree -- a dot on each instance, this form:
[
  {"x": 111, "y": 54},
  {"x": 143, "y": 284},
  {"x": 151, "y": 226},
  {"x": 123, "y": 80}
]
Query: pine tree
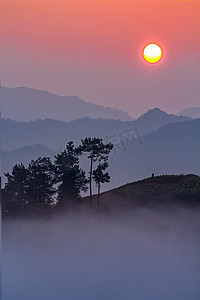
[
  {"x": 41, "y": 181},
  {"x": 99, "y": 177},
  {"x": 15, "y": 193},
  {"x": 70, "y": 177},
  {"x": 96, "y": 150}
]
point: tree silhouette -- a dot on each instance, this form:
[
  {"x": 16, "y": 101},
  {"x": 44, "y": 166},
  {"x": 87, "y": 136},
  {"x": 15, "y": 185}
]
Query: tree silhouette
[
  {"x": 96, "y": 150},
  {"x": 41, "y": 181},
  {"x": 32, "y": 186},
  {"x": 99, "y": 177},
  {"x": 15, "y": 192},
  {"x": 35, "y": 186},
  {"x": 69, "y": 176}
]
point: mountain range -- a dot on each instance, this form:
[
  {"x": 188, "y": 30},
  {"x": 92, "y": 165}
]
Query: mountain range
[
  {"x": 26, "y": 104},
  {"x": 54, "y": 134}
]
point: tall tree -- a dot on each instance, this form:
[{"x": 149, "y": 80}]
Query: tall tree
[
  {"x": 15, "y": 192},
  {"x": 99, "y": 177},
  {"x": 70, "y": 177},
  {"x": 41, "y": 181},
  {"x": 96, "y": 150}
]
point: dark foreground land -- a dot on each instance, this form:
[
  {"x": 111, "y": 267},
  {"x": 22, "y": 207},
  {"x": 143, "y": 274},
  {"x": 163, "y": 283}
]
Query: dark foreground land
[
  {"x": 165, "y": 189},
  {"x": 158, "y": 191}
]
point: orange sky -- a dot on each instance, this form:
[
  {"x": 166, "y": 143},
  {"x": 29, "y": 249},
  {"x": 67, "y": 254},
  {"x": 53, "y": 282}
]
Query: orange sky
[
  {"x": 105, "y": 27},
  {"x": 98, "y": 30}
]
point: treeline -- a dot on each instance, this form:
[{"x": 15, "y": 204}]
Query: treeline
[{"x": 44, "y": 182}]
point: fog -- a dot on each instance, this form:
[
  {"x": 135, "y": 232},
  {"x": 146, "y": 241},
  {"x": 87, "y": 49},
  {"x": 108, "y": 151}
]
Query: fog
[{"x": 140, "y": 254}]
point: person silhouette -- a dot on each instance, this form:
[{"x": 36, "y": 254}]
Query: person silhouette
[{"x": 152, "y": 175}]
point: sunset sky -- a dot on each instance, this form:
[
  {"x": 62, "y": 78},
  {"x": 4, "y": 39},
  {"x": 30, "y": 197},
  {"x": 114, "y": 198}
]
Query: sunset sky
[{"x": 93, "y": 49}]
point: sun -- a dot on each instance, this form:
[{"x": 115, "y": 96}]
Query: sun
[{"x": 152, "y": 53}]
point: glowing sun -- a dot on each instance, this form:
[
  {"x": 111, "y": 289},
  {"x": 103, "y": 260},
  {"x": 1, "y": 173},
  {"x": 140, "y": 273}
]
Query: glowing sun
[{"x": 152, "y": 53}]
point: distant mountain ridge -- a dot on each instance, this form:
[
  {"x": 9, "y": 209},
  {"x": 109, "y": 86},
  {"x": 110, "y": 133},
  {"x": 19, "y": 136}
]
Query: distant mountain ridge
[
  {"x": 54, "y": 134},
  {"x": 192, "y": 112},
  {"x": 26, "y": 104}
]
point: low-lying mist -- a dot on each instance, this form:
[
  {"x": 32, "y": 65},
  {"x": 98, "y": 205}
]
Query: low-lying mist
[{"x": 141, "y": 254}]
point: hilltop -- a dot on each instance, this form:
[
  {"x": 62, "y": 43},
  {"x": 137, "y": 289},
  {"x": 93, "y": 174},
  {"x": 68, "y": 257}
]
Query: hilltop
[{"x": 164, "y": 189}]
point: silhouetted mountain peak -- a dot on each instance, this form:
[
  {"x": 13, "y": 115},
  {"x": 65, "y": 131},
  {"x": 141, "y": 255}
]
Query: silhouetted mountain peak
[
  {"x": 155, "y": 118},
  {"x": 154, "y": 112}
]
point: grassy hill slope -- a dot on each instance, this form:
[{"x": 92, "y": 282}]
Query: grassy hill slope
[{"x": 165, "y": 189}]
